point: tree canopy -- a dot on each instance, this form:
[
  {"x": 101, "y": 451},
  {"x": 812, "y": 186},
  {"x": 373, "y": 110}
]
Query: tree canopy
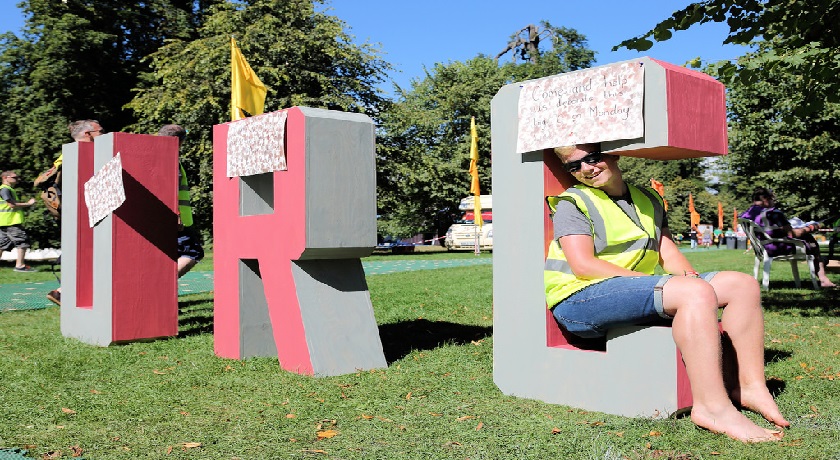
[
  {"x": 805, "y": 35},
  {"x": 423, "y": 151},
  {"x": 138, "y": 65},
  {"x": 782, "y": 97}
]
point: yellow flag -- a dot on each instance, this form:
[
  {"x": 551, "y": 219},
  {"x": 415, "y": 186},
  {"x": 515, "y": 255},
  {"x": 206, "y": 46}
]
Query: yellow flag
[
  {"x": 247, "y": 92},
  {"x": 474, "y": 187}
]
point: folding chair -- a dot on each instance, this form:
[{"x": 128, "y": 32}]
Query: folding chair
[{"x": 759, "y": 240}]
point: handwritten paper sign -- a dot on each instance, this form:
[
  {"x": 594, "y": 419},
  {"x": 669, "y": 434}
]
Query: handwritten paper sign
[
  {"x": 255, "y": 145},
  {"x": 593, "y": 105},
  {"x": 104, "y": 192}
]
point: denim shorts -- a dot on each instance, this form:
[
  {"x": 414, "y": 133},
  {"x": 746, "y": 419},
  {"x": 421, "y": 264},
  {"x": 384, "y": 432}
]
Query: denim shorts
[{"x": 619, "y": 301}]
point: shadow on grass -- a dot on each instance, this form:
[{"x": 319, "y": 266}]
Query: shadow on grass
[
  {"x": 195, "y": 316},
  {"x": 400, "y": 339},
  {"x": 784, "y": 297}
]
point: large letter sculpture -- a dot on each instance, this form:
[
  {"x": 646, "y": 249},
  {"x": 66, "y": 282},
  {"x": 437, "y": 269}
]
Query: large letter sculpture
[
  {"x": 640, "y": 371},
  {"x": 119, "y": 278},
  {"x": 288, "y": 278}
]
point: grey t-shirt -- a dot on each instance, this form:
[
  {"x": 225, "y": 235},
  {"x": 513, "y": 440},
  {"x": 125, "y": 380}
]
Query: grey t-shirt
[
  {"x": 6, "y": 195},
  {"x": 569, "y": 220}
]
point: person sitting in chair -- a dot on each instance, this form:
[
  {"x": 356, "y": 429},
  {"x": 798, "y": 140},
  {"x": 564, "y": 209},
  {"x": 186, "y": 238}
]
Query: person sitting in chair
[
  {"x": 609, "y": 237},
  {"x": 776, "y": 225}
]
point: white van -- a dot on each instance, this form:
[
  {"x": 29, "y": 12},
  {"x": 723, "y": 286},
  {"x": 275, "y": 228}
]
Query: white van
[{"x": 461, "y": 235}]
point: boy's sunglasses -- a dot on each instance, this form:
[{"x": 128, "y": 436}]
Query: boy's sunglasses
[{"x": 591, "y": 159}]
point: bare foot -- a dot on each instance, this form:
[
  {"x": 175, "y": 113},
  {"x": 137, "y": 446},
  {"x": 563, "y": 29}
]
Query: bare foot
[
  {"x": 733, "y": 424},
  {"x": 827, "y": 284},
  {"x": 760, "y": 401}
]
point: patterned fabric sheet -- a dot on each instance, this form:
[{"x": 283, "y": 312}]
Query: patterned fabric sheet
[
  {"x": 586, "y": 106},
  {"x": 104, "y": 192},
  {"x": 255, "y": 145}
]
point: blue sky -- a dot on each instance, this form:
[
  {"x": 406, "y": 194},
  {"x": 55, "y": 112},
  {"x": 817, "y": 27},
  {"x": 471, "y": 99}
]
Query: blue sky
[{"x": 416, "y": 35}]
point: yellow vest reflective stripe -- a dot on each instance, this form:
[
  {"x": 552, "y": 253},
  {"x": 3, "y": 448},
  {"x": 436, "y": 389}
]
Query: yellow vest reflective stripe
[
  {"x": 9, "y": 215},
  {"x": 184, "y": 206},
  {"x": 617, "y": 239}
]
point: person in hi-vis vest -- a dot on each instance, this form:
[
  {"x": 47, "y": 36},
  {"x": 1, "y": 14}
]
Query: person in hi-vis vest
[
  {"x": 190, "y": 251},
  {"x": 609, "y": 237},
  {"x": 12, "y": 234}
]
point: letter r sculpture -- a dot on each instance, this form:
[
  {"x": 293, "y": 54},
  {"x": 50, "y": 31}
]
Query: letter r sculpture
[{"x": 288, "y": 277}]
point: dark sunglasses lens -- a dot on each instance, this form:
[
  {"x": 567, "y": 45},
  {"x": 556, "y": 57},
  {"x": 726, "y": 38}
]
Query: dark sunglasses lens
[{"x": 591, "y": 159}]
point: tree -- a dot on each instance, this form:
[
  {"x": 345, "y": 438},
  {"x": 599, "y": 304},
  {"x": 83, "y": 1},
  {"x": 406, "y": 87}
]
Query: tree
[
  {"x": 772, "y": 146},
  {"x": 423, "y": 152},
  {"x": 303, "y": 57},
  {"x": 75, "y": 59},
  {"x": 804, "y": 35}
]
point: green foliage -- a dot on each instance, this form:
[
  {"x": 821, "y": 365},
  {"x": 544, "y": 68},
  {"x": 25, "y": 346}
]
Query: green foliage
[
  {"x": 138, "y": 65},
  {"x": 423, "y": 151},
  {"x": 775, "y": 147},
  {"x": 303, "y": 57},
  {"x": 75, "y": 59},
  {"x": 805, "y": 40}
]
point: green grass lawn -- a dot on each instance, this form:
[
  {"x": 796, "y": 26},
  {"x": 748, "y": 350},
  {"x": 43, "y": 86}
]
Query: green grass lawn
[{"x": 436, "y": 399}]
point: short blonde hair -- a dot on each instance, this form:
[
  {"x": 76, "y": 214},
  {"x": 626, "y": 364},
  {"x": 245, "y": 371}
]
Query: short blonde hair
[{"x": 563, "y": 152}]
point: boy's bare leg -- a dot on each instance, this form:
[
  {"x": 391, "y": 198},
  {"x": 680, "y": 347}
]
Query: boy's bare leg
[
  {"x": 693, "y": 304},
  {"x": 743, "y": 324}
]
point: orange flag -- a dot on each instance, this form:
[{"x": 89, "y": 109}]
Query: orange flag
[
  {"x": 474, "y": 185},
  {"x": 695, "y": 216},
  {"x": 734, "y": 220},
  {"x": 720, "y": 215},
  {"x": 660, "y": 189}
]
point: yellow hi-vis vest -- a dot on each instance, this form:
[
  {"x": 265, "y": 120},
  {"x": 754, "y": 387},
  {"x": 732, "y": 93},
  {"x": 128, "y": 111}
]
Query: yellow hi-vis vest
[
  {"x": 8, "y": 215},
  {"x": 617, "y": 238},
  {"x": 184, "y": 206}
]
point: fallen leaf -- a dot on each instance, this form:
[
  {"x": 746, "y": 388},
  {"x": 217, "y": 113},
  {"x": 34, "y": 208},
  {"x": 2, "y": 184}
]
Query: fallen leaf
[
  {"x": 555, "y": 430},
  {"x": 466, "y": 417},
  {"x": 60, "y": 427},
  {"x": 620, "y": 434},
  {"x": 76, "y": 450},
  {"x": 326, "y": 434},
  {"x": 168, "y": 450},
  {"x": 314, "y": 451},
  {"x": 714, "y": 452},
  {"x": 655, "y": 433},
  {"x": 434, "y": 414},
  {"x": 191, "y": 445},
  {"x": 814, "y": 409},
  {"x": 95, "y": 391},
  {"x": 158, "y": 372},
  {"x": 479, "y": 426},
  {"x": 184, "y": 413},
  {"x": 52, "y": 454},
  {"x": 408, "y": 396},
  {"x": 367, "y": 417},
  {"x": 68, "y": 411},
  {"x": 647, "y": 445},
  {"x": 290, "y": 416}
]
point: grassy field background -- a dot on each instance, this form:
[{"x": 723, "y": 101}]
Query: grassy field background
[{"x": 436, "y": 399}]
